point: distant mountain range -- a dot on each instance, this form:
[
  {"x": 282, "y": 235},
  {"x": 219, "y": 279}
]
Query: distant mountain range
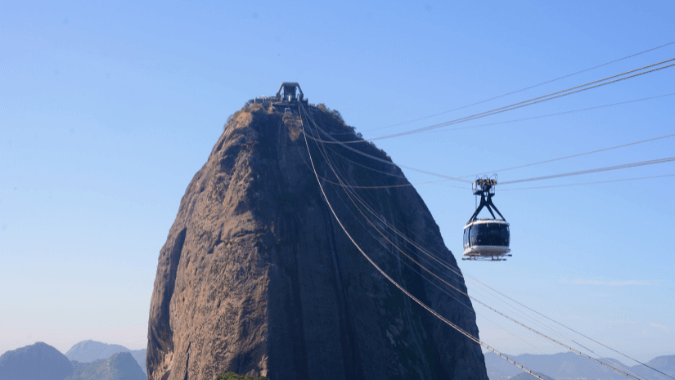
[
  {"x": 38, "y": 361},
  {"x": 526, "y": 376},
  {"x": 120, "y": 366},
  {"x": 41, "y": 361},
  {"x": 90, "y": 360},
  {"x": 572, "y": 366},
  {"x": 89, "y": 350}
]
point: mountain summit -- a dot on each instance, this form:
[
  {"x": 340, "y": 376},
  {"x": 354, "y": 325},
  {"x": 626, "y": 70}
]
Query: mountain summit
[
  {"x": 89, "y": 350},
  {"x": 258, "y": 278},
  {"x": 119, "y": 366},
  {"x": 38, "y": 361}
]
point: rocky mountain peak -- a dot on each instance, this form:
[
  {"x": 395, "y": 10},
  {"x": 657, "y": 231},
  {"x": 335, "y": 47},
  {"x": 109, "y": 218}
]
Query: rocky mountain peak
[{"x": 257, "y": 278}]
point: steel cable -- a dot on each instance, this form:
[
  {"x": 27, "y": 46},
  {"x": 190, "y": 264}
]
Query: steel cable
[
  {"x": 573, "y": 156},
  {"x": 383, "y": 160},
  {"x": 524, "y": 89},
  {"x": 540, "y": 99},
  {"x": 597, "y": 170},
  {"x": 555, "y": 114},
  {"x": 590, "y": 183},
  {"x": 574, "y": 331},
  {"x": 539, "y": 163}
]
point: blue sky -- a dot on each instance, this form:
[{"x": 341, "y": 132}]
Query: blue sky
[{"x": 108, "y": 109}]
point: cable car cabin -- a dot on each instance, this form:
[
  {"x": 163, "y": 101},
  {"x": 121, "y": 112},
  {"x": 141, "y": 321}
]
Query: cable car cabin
[{"x": 486, "y": 239}]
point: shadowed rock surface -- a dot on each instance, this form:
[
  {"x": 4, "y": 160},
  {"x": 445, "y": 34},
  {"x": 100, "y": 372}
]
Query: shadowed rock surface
[
  {"x": 39, "y": 361},
  {"x": 257, "y": 278}
]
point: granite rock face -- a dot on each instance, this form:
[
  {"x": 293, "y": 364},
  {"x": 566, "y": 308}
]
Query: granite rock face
[{"x": 258, "y": 278}]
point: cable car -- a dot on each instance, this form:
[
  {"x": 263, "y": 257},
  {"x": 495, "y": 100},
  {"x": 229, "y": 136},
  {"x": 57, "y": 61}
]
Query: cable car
[{"x": 486, "y": 239}]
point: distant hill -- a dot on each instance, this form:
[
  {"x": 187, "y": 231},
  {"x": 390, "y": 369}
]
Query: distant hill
[
  {"x": 120, "y": 366},
  {"x": 39, "y": 361},
  {"x": 665, "y": 364},
  {"x": 526, "y": 376},
  {"x": 89, "y": 351},
  {"x": 139, "y": 355},
  {"x": 570, "y": 366}
]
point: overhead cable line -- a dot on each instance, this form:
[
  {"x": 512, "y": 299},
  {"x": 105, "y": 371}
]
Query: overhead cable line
[
  {"x": 604, "y": 169},
  {"x": 341, "y": 183},
  {"x": 435, "y": 275},
  {"x": 571, "y": 329},
  {"x": 510, "y": 121},
  {"x": 392, "y": 186},
  {"x": 524, "y": 166},
  {"x": 523, "y": 89},
  {"x": 401, "y": 288},
  {"x": 590, "y": 183},
  {"x": 553, "y": 114},
  {"x": 572, "y": 156},
  {"x": 554, "y": 95},
  {"x": 364, "y": 166},
  {"x": 421, "y": 249},
  {"x": 378, "y": 186},
  {"x": 383, "y": 160},
  {"x": 385, "y": 222}
]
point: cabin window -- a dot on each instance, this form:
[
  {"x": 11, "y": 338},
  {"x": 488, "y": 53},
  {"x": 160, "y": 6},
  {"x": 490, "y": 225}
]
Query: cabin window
[{"x": 489, "y": 234}]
